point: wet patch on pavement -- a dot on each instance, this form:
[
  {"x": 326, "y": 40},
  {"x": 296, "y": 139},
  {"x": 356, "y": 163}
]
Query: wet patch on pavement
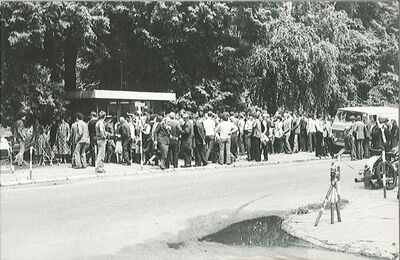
[
  {"x": 264, "y": 231},
  {"x": 176, "y": 245}
]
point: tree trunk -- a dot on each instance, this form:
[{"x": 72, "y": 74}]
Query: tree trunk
[
  {"x": 51, "y": 50},
  {"x": 70, "y": 56}
]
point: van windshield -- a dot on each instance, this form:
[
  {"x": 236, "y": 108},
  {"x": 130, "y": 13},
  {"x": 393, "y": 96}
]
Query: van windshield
[{"x": 344, "y": 116}]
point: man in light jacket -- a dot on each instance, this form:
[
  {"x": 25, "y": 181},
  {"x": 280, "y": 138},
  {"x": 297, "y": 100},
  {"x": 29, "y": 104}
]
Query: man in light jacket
[
  {"x": 81, "y": 141},
  {"x": 359, "y": 128},
  {"x": 101, "y": 142}
]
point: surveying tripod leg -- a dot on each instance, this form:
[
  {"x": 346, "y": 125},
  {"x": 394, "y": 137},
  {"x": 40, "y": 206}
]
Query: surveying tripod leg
[
  {"x": 323, "y": 205},
  {"x": 337, "y": 205},
  {"x": 332, "y": 206}
]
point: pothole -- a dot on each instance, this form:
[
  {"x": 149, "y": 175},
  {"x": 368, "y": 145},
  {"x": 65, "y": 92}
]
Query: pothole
[
  {"x": 176, "y": 245},
  {"x": 265, "y": 231}
]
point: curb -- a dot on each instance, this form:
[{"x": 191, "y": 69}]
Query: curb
[
  {"x": 344, "y": 248},
  {"x": 155, "y": 170}
]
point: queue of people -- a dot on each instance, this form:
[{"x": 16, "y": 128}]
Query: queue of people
[{"x": 160, "y": 139}]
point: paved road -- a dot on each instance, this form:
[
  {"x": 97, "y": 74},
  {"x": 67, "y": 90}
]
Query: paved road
[{"x": 98, "y": 218}]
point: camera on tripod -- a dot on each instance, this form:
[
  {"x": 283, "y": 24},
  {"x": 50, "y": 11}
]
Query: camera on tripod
[{"x": 335, "y": 172}]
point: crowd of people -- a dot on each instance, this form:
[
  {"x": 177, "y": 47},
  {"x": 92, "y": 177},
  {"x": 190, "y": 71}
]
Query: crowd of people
[{"x": 206, "y": 137}]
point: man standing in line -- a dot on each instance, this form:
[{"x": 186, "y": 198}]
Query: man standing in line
[
  {"x": 125, "y": 132},
  {"x": 368, "y": 132},
  {"x": 72, "y": 139},
  {"x": 20, "y": 137},
  {"x": 234, "y": 137},
  {"x": 256, "y": 137},
  {"x": 81, "y": 141},
  {"x": 241, "y": 138},
  {"x": 296, "y": 129},
  {"x": 161, "y": 137},
  {"x": 209, "y": 127},
  {"x": 359, "y": 128},
  {"x": 187, "y": 140},
  {"x": 101, "y": 142},
  {"x": 199, "y": 140},
  {"x": 92, "y": 134},
  {"x": 328, "y": 135},
  {"x": 265, "y": 126},
  {"x": 287, "y": 124},
  {"x": 303, "y": 134},
  {"x": 319, "y": 129},
  {"x": 110, "y": 144},
  {"x": 175, "y": 131},
  {"x": 311, "y": 133},
  {"x": 248, "y": 129},
  {"x": 223, "y": 133},
  {"x": 352, "y": 138}
]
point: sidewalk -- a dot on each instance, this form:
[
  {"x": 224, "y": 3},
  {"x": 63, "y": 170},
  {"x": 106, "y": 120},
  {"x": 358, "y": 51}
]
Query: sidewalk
[
  {"x": 64, "y": 172},
  {"x": 369, "y": 227}
]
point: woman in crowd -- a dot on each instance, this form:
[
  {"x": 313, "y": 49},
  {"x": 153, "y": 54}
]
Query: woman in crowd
[{"x": 62, "y": 141}]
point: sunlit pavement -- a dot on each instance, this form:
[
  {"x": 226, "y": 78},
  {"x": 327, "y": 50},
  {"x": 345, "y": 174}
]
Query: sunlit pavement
[{"x": 104, "y": 217}]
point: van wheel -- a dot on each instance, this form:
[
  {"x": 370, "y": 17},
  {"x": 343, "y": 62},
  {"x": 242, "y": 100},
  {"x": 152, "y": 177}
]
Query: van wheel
[{"x": 391, "y": 175}]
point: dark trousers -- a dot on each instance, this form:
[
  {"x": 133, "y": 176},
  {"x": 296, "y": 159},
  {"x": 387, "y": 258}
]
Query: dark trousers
[
  {"x": 311, "y": 142},
  {"x": 110, "y": 147},
  {"x": 200, "y": 155},
  {"x": 255, "y": 145},
  {"x": 367, "y": 145},
  {"x": 234, "y": 144},
  {"x": 210, "y": 140},
  {"x": 265, "y": 148},
  {"x": 126, "y": 150},
  {"x": 303, "y": 141},
  {"x": 92, "y": 151},
  {"x": 329, "y": 145},
  {"x": 278, "y": 145},
  {"x": 172, "y": 157},
  {"x": 318, "y": 143},
  {"x": 187, "y": 154},
  {"x": 163, "y": 149}
]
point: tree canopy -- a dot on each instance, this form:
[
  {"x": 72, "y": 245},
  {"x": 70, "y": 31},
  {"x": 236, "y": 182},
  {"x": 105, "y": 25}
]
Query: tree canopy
[{"x": 306, "y": 56}]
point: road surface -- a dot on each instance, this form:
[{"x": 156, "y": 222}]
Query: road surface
[{"x": 116, "y": 216}]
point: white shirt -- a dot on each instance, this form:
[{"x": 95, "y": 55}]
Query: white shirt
[
  {"x": 209, "y": 126},
  {"x": 279, "y": 129},
  {"x": 319, "y": 126},
  {"x": 224, "y": 129},
  {"x": 311, "y": 126},
  {"x": 241, "y": 125},
  {"x": 249, "y": 125},
  {"x": 132, "y": 128}
]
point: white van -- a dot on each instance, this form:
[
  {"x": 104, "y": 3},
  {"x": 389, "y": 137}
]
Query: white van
[{"x": 342, "y": 118}]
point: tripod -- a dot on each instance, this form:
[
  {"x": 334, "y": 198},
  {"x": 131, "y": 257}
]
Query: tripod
[{"x": 333, "y": 194}]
